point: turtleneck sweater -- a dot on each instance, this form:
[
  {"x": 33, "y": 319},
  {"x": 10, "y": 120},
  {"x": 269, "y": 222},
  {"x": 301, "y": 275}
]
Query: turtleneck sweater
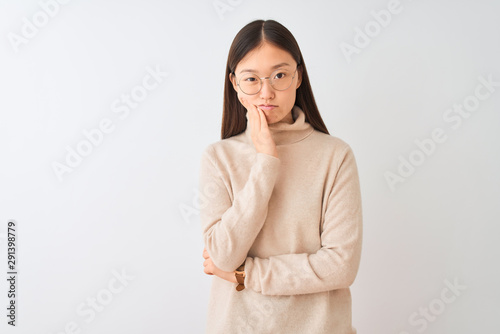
[{"x": 296, "y": 223}]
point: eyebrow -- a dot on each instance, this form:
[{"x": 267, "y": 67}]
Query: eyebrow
[{"x": 274, "y": 67}]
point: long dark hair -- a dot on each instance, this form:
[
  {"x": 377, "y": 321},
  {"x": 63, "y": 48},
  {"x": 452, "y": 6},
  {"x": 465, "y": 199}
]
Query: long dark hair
[{"x": 252, "y": 35}]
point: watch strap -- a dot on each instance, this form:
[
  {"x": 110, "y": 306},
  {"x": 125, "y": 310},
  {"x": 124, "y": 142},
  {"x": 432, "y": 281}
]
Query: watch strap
[{"x": 240, "y": 277}]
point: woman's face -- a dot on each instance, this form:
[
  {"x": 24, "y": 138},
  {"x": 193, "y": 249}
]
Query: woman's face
[{"x": 263, "y": 61}]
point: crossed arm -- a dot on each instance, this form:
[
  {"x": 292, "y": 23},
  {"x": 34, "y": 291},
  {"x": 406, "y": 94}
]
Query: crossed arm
[{"x": 229, "y": 231}]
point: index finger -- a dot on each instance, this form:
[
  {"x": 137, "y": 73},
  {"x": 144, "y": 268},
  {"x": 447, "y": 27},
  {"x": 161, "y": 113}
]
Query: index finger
[
  {"x": 262, "y": 118},
  {"x": 253, "y": 114}
]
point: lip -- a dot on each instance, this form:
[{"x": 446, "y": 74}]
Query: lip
[{"x": 267, "y": 107}]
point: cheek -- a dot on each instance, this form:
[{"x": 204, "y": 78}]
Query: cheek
[
  {"x": 289, "y": 99},
  {"x": 240, "y": 98},
  {"x": 245, "y": 99}
]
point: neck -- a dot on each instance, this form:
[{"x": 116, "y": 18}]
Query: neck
[
  {"x": 287, "y": 133},
  {"x": 289, "y": 119}
]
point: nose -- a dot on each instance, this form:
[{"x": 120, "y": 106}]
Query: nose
[{"x": 267, "y": 91}]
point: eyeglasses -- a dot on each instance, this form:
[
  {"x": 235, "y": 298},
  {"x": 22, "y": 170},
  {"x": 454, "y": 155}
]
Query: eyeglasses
[{"x": 281, "y": 79}]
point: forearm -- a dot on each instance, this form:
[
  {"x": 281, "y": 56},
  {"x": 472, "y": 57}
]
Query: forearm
[
  {"x": 293, "y": 274},
  {"x": 231, "y": 226},
  {"x": 226, "y": 275},
  {"x": 335, "y": 264}
]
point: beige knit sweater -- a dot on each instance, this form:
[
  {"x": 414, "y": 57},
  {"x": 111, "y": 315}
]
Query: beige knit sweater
[{"x": 297, "y": 222}]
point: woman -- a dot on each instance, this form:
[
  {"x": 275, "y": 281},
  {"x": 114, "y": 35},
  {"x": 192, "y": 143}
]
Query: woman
[{"x": 282, "y": 216}]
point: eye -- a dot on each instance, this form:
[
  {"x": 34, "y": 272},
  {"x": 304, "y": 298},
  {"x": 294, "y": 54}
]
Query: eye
[
  {"x": 250, "y": 79},
  {"x": 280, "y": 75}
]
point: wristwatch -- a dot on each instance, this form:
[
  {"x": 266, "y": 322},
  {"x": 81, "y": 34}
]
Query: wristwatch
[{"x": 240, "y": 277}]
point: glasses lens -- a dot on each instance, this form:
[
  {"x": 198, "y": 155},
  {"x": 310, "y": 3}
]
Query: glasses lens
[
  {"x": 250, "y": 83},
  {"x": 281, "y": 79}
]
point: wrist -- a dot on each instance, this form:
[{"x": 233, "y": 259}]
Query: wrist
[
  {"x": 226, "y": 275},
  {"x": 233, "y": 277}
]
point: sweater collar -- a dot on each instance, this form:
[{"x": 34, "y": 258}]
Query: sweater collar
[{"x": 284, "y": 133}]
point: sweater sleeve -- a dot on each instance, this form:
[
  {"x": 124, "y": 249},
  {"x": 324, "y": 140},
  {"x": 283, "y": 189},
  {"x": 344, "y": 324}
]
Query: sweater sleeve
[
  {"x": 230, "y": 226},
  {"x": 335, "y": 264}
]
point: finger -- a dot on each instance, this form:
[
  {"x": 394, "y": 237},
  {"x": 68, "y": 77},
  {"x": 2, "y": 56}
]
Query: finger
[
  {"x": 207, "y": 271},
  {"x": 257, "y": 121},
  {"x": 208, "y": 267},
  {"x": 253, "y": 117},
  {"x": 263, "y": 120},
  {"x": 248, "y": 109}
]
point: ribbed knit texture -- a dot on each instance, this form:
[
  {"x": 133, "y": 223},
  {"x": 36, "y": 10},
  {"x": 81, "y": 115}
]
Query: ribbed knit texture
[{"x": 295, "y": 220}]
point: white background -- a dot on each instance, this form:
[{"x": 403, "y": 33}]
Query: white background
[{"x": 130, "y": 204}]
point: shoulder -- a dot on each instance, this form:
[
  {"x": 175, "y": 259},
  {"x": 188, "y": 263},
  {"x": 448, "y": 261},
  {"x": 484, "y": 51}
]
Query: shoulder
[
  {"x": 332, "y": 150},
  {"x": 228, "y": 148},
  {"x": 329, "y": 143}
]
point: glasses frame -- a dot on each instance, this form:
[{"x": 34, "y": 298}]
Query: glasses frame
[{"x": 261, "y": 80}]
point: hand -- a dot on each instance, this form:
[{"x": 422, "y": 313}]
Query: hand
[
  {"x": 211, "y": 269},
  {"x": 208, "y": 264},
  {"x": 259, "y": 130}
]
